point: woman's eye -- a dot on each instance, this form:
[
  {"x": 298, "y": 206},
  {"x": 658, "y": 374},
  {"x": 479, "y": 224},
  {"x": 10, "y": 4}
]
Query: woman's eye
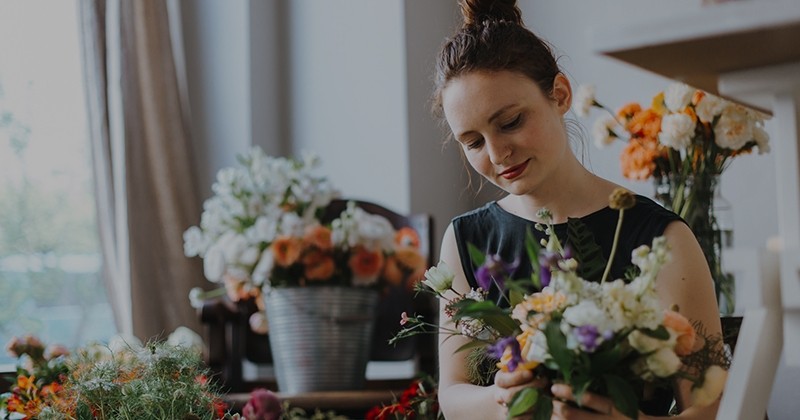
[
  {"x": 474, "y": 144},
  {"x": 510, "y": 125}
]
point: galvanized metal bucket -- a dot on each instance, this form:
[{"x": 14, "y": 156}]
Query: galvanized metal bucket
[{"x": 320, "y": 336}]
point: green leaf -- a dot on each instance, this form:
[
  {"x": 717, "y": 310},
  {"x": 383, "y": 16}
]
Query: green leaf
[
  {"x": 475, "y": 255},
  {"x": 604, "y": 360},
  {"x": 533, "y": 249},
  {"x": 591, "y": 262},
  {"x": 515, "y": 297},
  {"x": 544, "y": 409},
  {"x": 522, "y": 402},
  {"x": 622, "y": 395},
  {"x": 557, "y": 344},
  {"x": 659, "y": 333},
  {"x": 471, "y": 345},
  {"x": 488, "y": 312}
]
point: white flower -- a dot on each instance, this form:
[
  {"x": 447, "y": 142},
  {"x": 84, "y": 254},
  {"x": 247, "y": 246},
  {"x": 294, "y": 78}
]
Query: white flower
[
  {"x": 762, "y": 140},
  {"x": 677, "y": 131},
  {"x": 263, "y": 269},
  {"x": 713, "y": 383},
  {"x": 734, "y": 128},
  {"x": 603, "y": 131},
  {"x": 584, "y": 99},
  {"x": 124, "y": 342},
  {"x": 535, "y": 349},
  {"x": 258, "y": 322},
  {"x": 663, "y": 363},
  {"x": 585, "y": 312},
  {"x": 249, "y": 256},
  {"x": 214, "y": 264},
  {"x": 196, "y": 297},
  {"x": 266, "y": 227},
  {"x": 709, "y": 107},
  {"x": 186, "y": 338},
  {"x": 194, "y": 243},
  {"x": 677, "y": 96},
  {"x": 439, "y": 278}
]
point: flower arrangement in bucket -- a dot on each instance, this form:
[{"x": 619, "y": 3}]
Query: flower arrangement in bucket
[
  {"x": 119, "y": 380},
  {"x": 684, "y": 141},
  {"x": 268, "y": 230},
  {"x": 579, "y": 326}
]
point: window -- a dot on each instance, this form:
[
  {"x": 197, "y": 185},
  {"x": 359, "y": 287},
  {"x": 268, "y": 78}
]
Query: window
[{"x": 50, "y": 265}]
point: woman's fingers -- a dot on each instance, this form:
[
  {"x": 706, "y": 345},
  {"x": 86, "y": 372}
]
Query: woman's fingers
[
  {"x": 509, "y": 379},
  {"x": 600, "y": 405}
]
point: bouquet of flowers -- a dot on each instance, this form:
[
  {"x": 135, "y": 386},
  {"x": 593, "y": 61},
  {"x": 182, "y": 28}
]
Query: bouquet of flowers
[
  {"x": 265, "y": 227},
  {"x": 684, "y": 142},
  {"x": 607, "y": 336},
  {"x": 118, "y": 381}
]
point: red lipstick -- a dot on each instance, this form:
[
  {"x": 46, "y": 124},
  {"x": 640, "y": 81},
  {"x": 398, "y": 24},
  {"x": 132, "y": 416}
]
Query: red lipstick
[{"x": 514, "y": 171}]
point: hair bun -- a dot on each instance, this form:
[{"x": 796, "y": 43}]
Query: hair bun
[{"x": 477, "y": 11}]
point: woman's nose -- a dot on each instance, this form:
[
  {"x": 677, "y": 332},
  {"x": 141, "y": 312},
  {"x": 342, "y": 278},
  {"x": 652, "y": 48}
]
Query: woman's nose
[{"x": 499, "y": 151}]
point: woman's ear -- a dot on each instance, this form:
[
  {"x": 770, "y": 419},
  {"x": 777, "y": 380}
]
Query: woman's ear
[{"x": 562, "y": 93}]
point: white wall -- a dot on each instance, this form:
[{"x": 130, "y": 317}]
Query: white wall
[{"x": 348, "y": 94}]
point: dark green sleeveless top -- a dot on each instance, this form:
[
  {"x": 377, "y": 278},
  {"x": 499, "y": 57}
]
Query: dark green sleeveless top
[{"x": 493, "y": 230}]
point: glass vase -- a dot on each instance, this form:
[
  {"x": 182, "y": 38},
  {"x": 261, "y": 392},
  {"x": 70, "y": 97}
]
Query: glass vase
[{"x": 698, "y": 200}]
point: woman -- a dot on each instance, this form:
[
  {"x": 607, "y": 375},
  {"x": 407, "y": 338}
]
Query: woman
[{"x": 504, "y": 98}]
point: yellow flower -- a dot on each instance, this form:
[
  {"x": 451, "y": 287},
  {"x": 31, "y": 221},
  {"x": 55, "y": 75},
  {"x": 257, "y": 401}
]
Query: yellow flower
[{"x": 621, "y": 199}]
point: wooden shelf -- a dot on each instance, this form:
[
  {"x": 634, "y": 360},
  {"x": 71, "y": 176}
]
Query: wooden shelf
[
  {"x": 697, "y": 46},
  {"x": 343, "y": 402}
]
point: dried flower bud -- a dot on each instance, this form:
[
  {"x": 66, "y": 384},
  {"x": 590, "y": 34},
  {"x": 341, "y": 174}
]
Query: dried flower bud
[{"x": 621, "y": 199}]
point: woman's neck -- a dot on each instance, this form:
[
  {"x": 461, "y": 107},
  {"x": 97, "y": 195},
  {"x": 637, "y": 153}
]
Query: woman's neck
[{"x": 577, "y": 193}]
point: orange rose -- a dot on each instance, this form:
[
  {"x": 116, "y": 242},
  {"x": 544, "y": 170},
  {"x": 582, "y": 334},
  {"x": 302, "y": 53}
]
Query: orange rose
[
  {"x": 366, "y": 263},
  {"x": 392, "y": 271},
  {"x": 686, "y": 333},
  {"x": 318, "y": 266},
  {"x": 628, "y": 111},
  {"x": 319, "y": 236},
  {"x": 638, "y": 158},
  {"x": 407, "y": 236},
  {"x": 286, "y": 250},
  {"x": 645, "y": 124}
]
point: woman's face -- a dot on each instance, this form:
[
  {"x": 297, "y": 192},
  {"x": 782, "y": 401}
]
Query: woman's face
[{"x": 511, "y": 133}]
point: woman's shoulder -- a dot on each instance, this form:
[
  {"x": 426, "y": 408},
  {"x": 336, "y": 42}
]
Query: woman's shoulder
[{"x": 482, "y": 213}]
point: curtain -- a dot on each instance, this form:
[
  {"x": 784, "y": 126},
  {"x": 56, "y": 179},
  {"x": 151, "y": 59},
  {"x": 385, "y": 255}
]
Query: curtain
[{"x": 146, "y": 190}]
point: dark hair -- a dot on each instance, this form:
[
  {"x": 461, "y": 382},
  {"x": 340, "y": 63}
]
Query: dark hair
[{"x": 493, "y": 38}]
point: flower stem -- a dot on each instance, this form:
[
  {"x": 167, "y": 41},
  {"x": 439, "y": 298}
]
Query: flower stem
[{"x": 613, "y": 246}]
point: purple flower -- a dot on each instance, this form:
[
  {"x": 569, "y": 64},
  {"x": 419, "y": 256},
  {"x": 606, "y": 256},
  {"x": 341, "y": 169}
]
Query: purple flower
[
  {"x": 494, "y": 271},
  {"x": 587, "y": 336},
  {"x": 548, "y": 261},
  {"x": 497, "y": 350}
]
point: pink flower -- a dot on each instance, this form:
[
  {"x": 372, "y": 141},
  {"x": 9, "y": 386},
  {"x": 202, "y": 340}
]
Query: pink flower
[
  {"x": 263, "y": 405},
  {"x": 403, "y": 318}
]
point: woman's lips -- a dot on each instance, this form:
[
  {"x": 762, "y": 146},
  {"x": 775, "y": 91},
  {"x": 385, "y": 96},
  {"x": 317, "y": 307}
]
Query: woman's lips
[{"x": 514, "y": 171}]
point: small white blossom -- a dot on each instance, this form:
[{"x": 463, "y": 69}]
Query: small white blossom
[
  {"x": 439, "y": 278},
  {"x": 194, "y": 243},
  {"x": 263, "y": 269},
  {"x": 677, "y": 96},
  {"x": 584, "y": 99},
  {"x": 709, "y": 107},
  {"x": 664, "y": 362},
  {"x": 762, "y": 140},
  {"x": 258, "y": 322},
  {"x": 186, "y": 338},
  {"x": 677, "y": 131},
  {"x": 734, "y": 128},
  {"x": 603, "y": 131}
]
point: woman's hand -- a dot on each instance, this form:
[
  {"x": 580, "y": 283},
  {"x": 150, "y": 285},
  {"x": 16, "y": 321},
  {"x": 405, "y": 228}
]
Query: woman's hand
[
  {"x": 593, "y": 406},
  {"x": 507, "y": 384}
]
